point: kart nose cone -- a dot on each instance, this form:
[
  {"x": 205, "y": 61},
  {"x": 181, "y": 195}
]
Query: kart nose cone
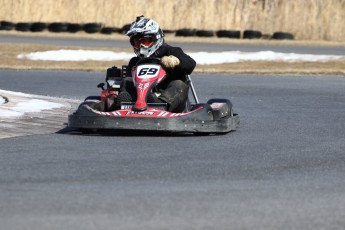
[{"x": 139, "y": 106}]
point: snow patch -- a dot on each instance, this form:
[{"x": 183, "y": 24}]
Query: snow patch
[
  {"x": 76, "y": 55},
  {"x": 2, "y": 100},
  {"x": 33, "y": 105},
  {"x": 200, "y": 57}
]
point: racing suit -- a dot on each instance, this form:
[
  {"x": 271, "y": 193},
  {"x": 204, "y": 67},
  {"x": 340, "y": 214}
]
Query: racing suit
[{"x": 173, "y": 90}]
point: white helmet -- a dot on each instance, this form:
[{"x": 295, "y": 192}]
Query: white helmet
[{"x": 145, "y": 36}]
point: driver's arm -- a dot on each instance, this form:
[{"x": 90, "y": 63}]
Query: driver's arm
[{"x": 187, "y": 64}]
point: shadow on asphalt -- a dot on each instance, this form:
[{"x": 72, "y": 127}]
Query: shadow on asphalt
[{"x": 135, "y": 133}]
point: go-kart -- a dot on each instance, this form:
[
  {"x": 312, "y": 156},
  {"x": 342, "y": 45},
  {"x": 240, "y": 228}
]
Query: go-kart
[{"x": 98, "y": 113}]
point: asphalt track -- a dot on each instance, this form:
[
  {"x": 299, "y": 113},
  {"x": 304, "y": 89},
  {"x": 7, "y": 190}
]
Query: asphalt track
[
  {"x": 283, "y": 169},
  {"x": 195, "y": 46}
]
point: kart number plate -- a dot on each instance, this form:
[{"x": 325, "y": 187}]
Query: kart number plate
[{"x": 147, "y": 71}]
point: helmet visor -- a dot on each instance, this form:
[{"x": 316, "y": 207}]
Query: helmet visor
[{"x": 145, "y": 41}]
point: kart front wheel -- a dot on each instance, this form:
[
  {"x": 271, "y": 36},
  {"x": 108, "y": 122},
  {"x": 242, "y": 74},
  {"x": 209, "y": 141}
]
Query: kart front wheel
[
  {"x": 210, "y": 114},
  {"x": 222, "y": 108}
]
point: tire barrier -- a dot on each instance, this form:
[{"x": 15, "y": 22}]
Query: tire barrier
[
  {"x": 38, "y": 27},
  {"x": 116, "y": 30},
  {"x": 228, "y": 34},
  {"x": 23, "y": 26},
  {"x": 74, "y": 27},
  {"x": 92, "y": 28},
  {"x": 185, "y": 33},
  {"x": 106, "y": 30},
  {"x": 6, "y": 25},
  {"x": 58, "y": 27},
  {"x": 252, "y": 34},
  {"x": 110, "y": 30},
  {"x": 169, "y": 31},
  {"x": 125, "y": 28},
  {"x": 282, "y": 36},
  {"x": 204, "y": 33}
]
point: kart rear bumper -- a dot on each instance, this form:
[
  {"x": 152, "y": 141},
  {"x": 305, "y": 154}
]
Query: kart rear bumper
[{"x": 177, "y": 124}]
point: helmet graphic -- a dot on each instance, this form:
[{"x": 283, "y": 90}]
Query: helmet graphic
[{"x": 145, "y": 36}]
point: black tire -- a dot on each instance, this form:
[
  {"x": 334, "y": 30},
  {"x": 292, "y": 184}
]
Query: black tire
[
  {"x": 185, "y": 33},
  {"x": 228, "y": 34},
  {"x": 38, "y": 27},
  {"x": 123, "y": 96},
  {"x": 252, "y": 34},
  {"x": 110, "y": 30},
  {"x": 125, "y": 28},
  {"x": 116, "y": 29},
  {"x": 169, "y": 31},
  {"x": 282, "y": 36},
  {"x": 74, "y": 27},
  {"x": 23, "y": 26},
  {"x": 58, "y": 27},
  {"x": 106, "y": 30},
  {"x": 6, "y": 25},
  {"x": 206, "y": 113},
  {"x": 204, "y": 33},
  {"x": 92, "y": 27},
  {"x": 222, "y": 108}
]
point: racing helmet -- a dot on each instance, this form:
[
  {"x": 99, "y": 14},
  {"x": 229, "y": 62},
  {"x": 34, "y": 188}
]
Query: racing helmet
[{"x": 145, "y": 36}]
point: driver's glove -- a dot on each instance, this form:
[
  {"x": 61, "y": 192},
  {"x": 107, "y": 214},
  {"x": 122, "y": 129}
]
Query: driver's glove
[{"x": 170, "y": 62}]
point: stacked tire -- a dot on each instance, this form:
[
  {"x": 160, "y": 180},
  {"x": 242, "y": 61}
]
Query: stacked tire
[
  {"x": 58, "y": 27},
  {"x": 204, "y": 33},
  {"x": 74, "y": 27},
  {"x": 282, "y": 36},
  {"x": 94, "y": 27},
  {"x": 23, "y": 26},
  {"x": 6, "y": 25},
  {"x": 252, "y": 34},
  {"x": 185, "y": 33},
  {"x": 236, "y": 34},
  {"x": 38, "y": 27}
]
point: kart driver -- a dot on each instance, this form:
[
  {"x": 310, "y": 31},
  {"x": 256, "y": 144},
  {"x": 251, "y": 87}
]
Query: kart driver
[{"x": 147, "y": 40}]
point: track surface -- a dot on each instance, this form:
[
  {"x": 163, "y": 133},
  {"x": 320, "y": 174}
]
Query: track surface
[
  {"x": 283, "y": 169},
  {"x": 187, "y": 46}
]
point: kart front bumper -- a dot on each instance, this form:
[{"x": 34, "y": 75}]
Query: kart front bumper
[{"x": 177, "y": 124}]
